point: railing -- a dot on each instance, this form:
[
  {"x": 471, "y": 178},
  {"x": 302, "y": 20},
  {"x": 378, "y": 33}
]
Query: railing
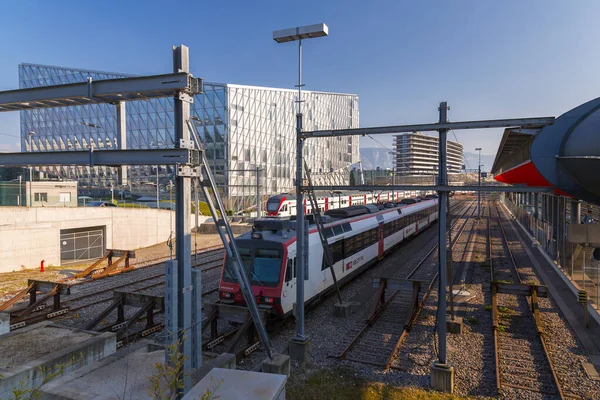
[{"x": 574, "y": 260}]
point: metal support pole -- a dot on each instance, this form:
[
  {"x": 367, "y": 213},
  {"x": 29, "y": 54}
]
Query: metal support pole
[
  {"x": 183, "y": 246},
  {"x": 575, "y": 211},
  {"x": 300, "y": 245},
  {"x": 441, "y": 316},
  {"x": 122, "y": 139},
  {"x": 157, "y": 190},
  {"x": 478, "y": 184},
  {"x": 536, "y": 205},
  {"x": 197, "y": 213},
  {"x": 258, "y": 208},
  {"x": 20, "y": 190}
]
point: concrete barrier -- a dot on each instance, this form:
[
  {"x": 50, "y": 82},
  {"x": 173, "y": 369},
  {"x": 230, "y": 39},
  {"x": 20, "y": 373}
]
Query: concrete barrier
[
  {"x": 29, "y": 355},
  {"x": 31, "y": 234}
]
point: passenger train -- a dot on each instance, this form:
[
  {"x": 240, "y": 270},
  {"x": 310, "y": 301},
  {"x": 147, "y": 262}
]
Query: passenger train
[
  {"x": 358, "y": 236},
  {"x": 284, "y": 205}
]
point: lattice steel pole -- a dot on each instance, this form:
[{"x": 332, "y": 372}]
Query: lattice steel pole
[{"x": 183, "y": 245}]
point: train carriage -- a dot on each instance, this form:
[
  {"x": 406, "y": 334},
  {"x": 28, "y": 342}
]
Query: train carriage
[
  {"x": 284, "y": 205},
  {"x": 358, "y": 236}
]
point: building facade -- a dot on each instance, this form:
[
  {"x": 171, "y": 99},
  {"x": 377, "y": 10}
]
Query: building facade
[
  {"x": 418, "y": 154},
  {"x": 38, "y": 193},
  {"x": 243, "y": 128}
]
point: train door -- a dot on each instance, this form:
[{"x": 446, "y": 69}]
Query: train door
[
  {"x": 380, "y": 237},
  {"x": 288, "y": 292}
]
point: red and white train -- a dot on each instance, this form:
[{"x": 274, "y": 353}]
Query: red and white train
[
  {"x": 284, "y": 205},
  {"x": 358, "y": 236}
]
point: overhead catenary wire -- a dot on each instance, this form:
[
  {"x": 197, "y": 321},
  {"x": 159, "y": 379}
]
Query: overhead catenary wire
[{"x": 464, "y": 158}]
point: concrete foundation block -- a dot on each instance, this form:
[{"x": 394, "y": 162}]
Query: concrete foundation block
[
  {"x": 231, "y": 384},
  {"x": 442, "y": 378},
  {"x": 299, "y": 350},
  {"x": 44, "y": 348},
  {"x": 345, "y": 309},
  {"x": 454, "y": 325},
  {"x": 4, "y": 323},
  {"x": 280, "y": 364}
]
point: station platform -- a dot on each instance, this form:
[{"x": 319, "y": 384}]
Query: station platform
[{"x": 564, "y": 293}]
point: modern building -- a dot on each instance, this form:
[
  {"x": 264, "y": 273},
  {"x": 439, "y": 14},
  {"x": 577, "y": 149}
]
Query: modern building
[
  {"x": 418, "y": 154},
  {"x": 243, "y": 128},
  {"x": 38, "y": 193}
]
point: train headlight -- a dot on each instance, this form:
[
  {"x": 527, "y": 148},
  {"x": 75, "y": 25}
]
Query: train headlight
[
  {"x": 226, "y": 295},
  {"x": 256, "y": 235},
  {"x": 267, "y": 300}
]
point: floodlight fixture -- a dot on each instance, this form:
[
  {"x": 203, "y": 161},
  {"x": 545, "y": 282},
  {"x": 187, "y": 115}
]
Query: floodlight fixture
[{"x": 300, "y": 32}]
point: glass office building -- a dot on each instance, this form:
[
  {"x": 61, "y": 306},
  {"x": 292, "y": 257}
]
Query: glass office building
[{"x": 243, "y": 128}]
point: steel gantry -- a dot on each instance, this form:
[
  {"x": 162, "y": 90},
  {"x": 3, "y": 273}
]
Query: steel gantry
[
  {"x": 183, "y": 286},
  {"x": 442, "y": 187}
]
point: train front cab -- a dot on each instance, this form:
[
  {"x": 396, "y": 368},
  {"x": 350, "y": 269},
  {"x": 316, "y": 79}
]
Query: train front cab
[{"x": 264, "y": 263}]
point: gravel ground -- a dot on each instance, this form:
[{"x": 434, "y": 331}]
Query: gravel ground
[
  {"x": 566, "y": 351},
  {"x": 329, "y": 334},
  {"x": 470, "y": 353}
]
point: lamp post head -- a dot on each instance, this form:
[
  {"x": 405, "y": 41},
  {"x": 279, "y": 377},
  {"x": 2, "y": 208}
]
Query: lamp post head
[
  {"x": 478, "y": 149},
  {"x": 300, "y": 32}
]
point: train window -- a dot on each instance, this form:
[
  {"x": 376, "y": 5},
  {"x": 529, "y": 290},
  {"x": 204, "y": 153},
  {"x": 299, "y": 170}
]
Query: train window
[
  {"x": 349, "y": 246},
  {"x": 372, "y": 236},
  {"x": 336, "y": 251},
  {"x": 328, "y": 233},
  {"x": 337, "y": 229},
  {"x": 346, "y": 227},
  {"x": 267, "y": 267},
  {"x": 359, "y": 241},
  {"x": 294, "y": 262},
  {"x": 289, "y": 270}
]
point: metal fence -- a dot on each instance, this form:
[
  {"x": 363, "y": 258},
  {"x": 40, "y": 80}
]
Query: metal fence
[{"x": 550, "y": 231}]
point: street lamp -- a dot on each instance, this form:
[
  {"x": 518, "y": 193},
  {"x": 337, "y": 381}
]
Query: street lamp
[
  {"x": 283, "y": 36},
  {"x": 479, "y": 183}
]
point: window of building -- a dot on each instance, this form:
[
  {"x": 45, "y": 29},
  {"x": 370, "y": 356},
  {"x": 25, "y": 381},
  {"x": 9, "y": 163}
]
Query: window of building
[
  {"x": 41, "y": 196},
  {"x": 65, "y": 197}
]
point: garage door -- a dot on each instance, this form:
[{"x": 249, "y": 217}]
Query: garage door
[{"x": 81, "y": 244}]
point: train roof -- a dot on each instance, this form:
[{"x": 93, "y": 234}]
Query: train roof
[
  {"x": 282, "y": 230},
  {"x": 325, "y": 193}
]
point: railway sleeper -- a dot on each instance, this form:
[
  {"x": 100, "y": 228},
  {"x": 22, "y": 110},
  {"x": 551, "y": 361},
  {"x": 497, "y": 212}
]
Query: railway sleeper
[{"x": 147, "y": 305}]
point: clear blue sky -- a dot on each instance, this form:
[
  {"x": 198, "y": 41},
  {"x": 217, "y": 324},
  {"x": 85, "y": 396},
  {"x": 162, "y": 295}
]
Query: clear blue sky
[{"x": 488, "y": 59}]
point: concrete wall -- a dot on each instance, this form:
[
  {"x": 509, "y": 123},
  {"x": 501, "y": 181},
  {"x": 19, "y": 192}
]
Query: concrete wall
[{"x": 29, "y": 235}]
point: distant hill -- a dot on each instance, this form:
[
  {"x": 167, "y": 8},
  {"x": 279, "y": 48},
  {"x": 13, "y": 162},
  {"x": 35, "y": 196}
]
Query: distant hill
[{"x": 373, "y": 157}]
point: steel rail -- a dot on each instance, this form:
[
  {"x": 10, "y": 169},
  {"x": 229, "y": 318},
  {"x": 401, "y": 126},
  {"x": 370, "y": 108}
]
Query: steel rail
[
  {"x": 515, "y": 271},
  {"x": 21, "y": 322},
  {"x": 410, "y": 320}
]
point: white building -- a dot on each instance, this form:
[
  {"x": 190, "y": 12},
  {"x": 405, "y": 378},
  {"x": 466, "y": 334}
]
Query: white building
[
  {"x": 418, "y": 154},
  {"x": 243, "y": 128}
]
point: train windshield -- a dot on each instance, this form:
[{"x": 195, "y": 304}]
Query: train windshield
[
  {"x": 273, "y": 204},
  {"x": 263, "y": 266}
]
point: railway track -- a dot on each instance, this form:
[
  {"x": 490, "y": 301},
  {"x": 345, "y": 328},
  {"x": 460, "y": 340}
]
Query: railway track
[
  {"x": 233, "y": 340},
  {"x": 379, "y": 340},
  {"x": 93, "y": 293},
  {"x": 523, "y": 363}
]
